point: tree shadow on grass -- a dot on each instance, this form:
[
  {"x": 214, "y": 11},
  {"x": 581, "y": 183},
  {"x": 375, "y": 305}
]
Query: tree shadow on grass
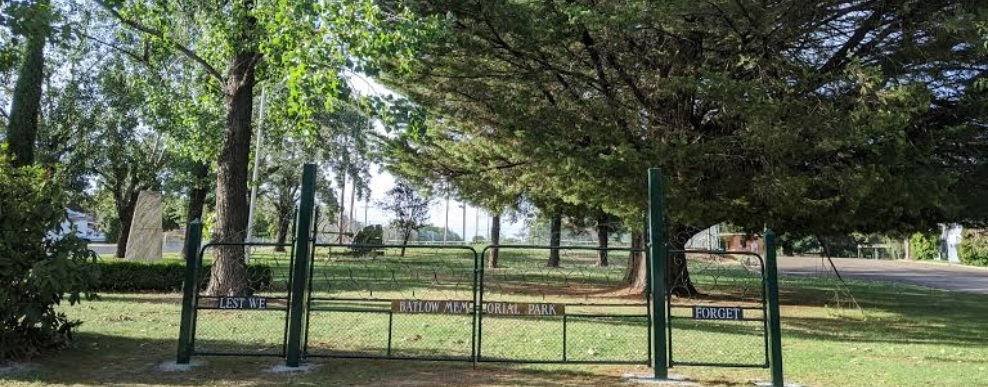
[{"x": 99, "y": 359}]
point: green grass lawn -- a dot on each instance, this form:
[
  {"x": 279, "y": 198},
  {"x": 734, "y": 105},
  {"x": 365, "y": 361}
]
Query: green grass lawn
[{"x": 901, "y": 335}]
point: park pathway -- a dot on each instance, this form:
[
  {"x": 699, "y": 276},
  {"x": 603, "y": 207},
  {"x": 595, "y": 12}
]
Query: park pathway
[{"x": 933, "y": 274}]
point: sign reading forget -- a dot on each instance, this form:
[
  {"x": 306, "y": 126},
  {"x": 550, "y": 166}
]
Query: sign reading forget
[
  {"x": 718, "y": 313},
  {"x": 465, "y": 307},
  {"x": 242, "y": 303}
]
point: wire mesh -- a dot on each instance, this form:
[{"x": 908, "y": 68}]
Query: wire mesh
[
  {"x": 254, "y": 322},
  {"x": 717, "y": 309},
  {"x": 601, "y": 318},
  {"x": 351, "y": 294}
]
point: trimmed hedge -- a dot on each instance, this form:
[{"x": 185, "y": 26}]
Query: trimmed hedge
[
  {"x": 163, "y": 276},
  {"x": 924, "y": 246},
  {"x": 974, "y": 248}
]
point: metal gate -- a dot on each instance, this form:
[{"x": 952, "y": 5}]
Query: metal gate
[
  {"x": 575, "y": 310},
  {"x": 531, "y": 304},
  {"x": 718, "y": 316},
  {"x": 392, "y": 302}
]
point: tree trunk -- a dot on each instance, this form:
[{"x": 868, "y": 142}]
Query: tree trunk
[
  {"x": 229, "y": 273},
  {"x": 406, "y": 235},
  {"x": 284, "y": 222},
  {"x": 495, "y": 240},
  {"x": 343, "y": 206},
  {"x": 603, "y": 230},
  {"x": 125, "y": 212},
  {"x": 22, "y": 130},
  {"x": 637, "y": 275},
  {"x": 678, "y": 281},
  {"x": 197, "y": 194},
  {"x": 555, "y": 237}
]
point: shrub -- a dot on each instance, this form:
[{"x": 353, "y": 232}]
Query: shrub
[
  {"x": 163, "y": 276},
  {"x": 973, "y": 249},
  {"x": 37, "y": 270},
  {"x": 924, "y": 246}
]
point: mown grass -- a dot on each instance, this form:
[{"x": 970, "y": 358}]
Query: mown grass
[{"x": 900, "y": 336}]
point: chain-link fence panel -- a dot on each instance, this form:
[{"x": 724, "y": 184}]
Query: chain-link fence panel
[
  {"x": 249, "y": 317},
  {"x": 716, "y": 309},
  {"x": 565, "y": 304},
  {"x": 392, "y": 302}
]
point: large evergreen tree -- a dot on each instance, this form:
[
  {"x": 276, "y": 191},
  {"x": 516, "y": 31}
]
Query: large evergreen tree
[{"x": 835, "y": 117}]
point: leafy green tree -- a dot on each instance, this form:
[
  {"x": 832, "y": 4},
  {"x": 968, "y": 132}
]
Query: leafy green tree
[
  {"x": 38, "y": 270},
  {"x": 306, "y": 44},
  {"x": 845, "y": 116},
  {"x": 410, "y": 211},
  {"x": 130, "y": 155},
  {"x": 32, "y": 21}
]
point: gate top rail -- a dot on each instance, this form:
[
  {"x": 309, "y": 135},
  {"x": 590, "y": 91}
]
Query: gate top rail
[
  {"x": 395, "y": 246},
  {"x": 570, "y": 247}
]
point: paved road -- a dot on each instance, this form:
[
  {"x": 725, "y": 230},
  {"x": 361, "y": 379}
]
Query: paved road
[{"x": 934, "y": 275}]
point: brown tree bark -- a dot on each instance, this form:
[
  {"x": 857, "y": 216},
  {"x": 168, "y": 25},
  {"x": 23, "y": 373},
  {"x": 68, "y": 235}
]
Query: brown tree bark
[
  {"x": 284, "y": 222},
  {"x": 197, "y": 194},
  {"x": 678, "y": 281},
  {"x": 229, "y": 273},
  {"x": 603, "y": 233},
  {"x": 406, "y": 235},
  {"x": 636, "y": 277},
  {"x": 125, "y": 213},
  {"x": 495, "y": 240},
  {"x": 22, "y": 129},
  {"x": 555, "y": 238}
]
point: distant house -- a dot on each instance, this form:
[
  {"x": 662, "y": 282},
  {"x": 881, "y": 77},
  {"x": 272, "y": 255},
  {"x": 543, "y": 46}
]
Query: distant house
[
  {"x": 83, "y": 226},
  {"x": 744, "y": 242}
]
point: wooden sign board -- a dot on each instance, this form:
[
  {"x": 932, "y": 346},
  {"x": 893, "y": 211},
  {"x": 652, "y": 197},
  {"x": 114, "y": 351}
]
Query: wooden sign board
[
  {"x": 427, "y": 306},
  {"x": 242, "y": 303},
  {"x": 466, "y": 307},
  {"x": 718, "y": 313}
]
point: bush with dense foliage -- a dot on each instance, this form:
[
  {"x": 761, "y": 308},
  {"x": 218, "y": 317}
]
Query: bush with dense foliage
[
  {"x": 37, "y": 269},
  {"x": 924, "y": 246},
  {"x": 163, "y": 276},
  {"x": 974, "y": 248}
]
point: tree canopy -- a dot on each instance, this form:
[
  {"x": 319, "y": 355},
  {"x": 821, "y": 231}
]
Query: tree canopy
[{"x": 840, "y": 116}]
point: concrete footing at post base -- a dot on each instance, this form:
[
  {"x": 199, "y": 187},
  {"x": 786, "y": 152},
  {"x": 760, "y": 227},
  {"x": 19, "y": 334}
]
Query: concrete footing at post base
[
  {"x": 670, "y": 380},
  {"x": 768, "y": 383}
]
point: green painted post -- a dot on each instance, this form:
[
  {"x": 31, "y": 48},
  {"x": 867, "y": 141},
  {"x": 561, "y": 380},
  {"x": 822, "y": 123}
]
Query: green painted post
[
  {"x": 657, "y": 272},
  {"x": 303, "y": 243},
  {"x": 193, "y": 239},
  {"x": 774, "y": 318}
]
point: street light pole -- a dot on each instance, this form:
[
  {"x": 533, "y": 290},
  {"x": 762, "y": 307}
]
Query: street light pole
[{"x": 464, "y": 207}]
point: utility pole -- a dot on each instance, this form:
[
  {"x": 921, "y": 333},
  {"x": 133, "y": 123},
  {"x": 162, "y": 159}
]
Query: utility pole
[
  {"x": 446, "y": 224},
  {"x": 476, "y": 221},
  {"x": 366, "y": 206},
  {"x": 464, "y": 207}
]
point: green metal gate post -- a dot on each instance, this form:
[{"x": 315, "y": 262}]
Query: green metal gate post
[
  {"x": 774, "y": 318},
  {"x": 193, "y": 239},
  {"x": 657, "y": 272},
  {"x": 303, "y": 243}
]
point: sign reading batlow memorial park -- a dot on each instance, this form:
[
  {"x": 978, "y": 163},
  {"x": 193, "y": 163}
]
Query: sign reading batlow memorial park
[{"x": 465, "y": 307}]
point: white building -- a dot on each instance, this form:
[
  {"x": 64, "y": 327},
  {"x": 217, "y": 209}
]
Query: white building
[{"x": 83, "y": 227}]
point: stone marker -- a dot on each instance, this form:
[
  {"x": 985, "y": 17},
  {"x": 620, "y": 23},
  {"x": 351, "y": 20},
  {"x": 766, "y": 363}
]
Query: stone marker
[{"x": 145, "y": 230}]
